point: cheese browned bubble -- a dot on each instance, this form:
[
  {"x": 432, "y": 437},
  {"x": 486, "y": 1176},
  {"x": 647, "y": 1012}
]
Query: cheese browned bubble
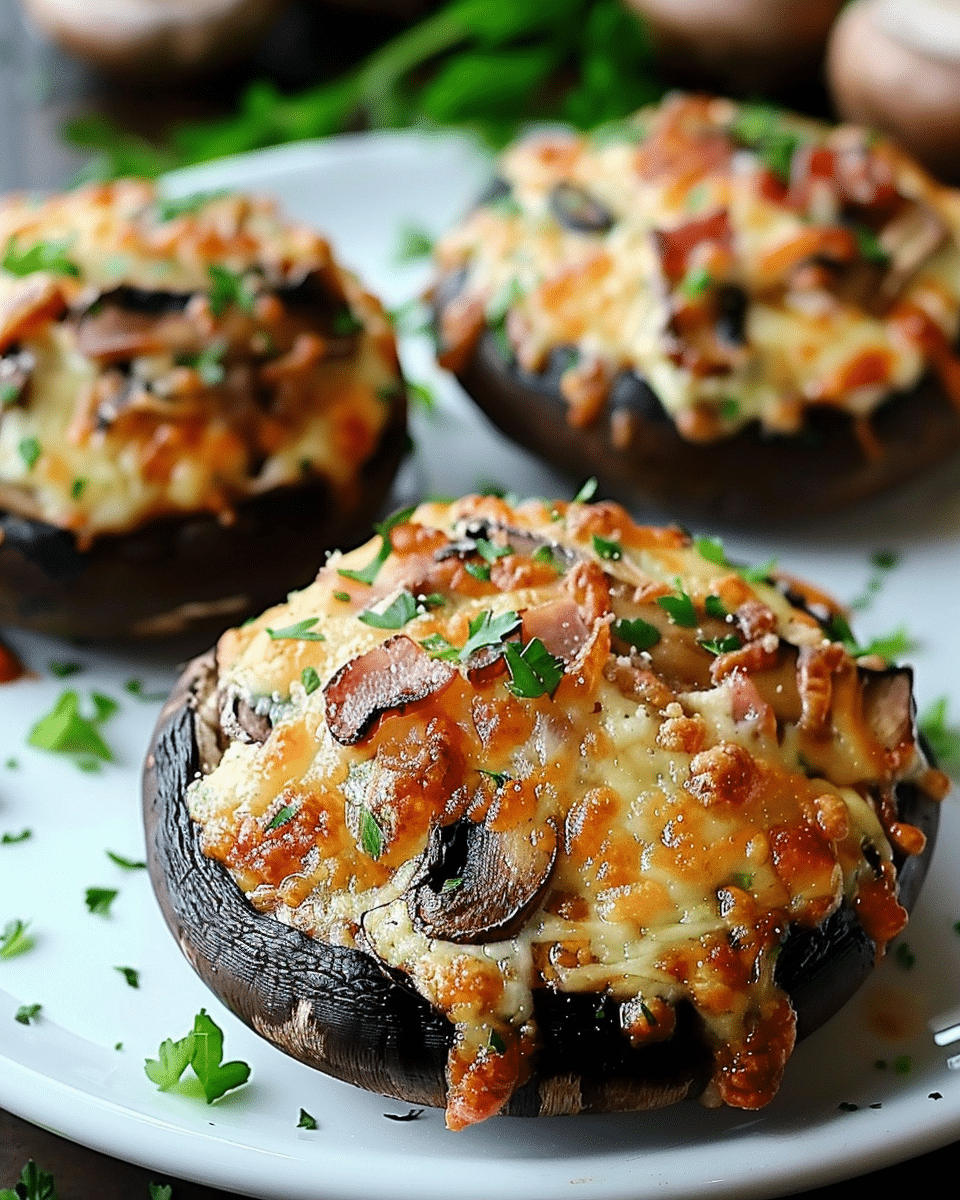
[
  {"x": 545, "y": 747},
  {"x": 745, "y": 263},
  {"x": 163, "y": 356}
]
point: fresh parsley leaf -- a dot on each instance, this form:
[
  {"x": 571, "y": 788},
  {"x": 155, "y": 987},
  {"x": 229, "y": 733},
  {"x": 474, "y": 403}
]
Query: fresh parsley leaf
[
  {"x": 761, "y": 128},
  {"x": 98, "y": 900},
  {"x": 160, "y": 1191},
  {"x": 400, "y": 610},
  {"x": 613, "y": 551},
  {"x": 695, "y": 282},
  {"x": 479, "y": 571},
  {"x": 344, "y": 597},
  {"x": 729, "y": 408},
  {"x": 721, "y": 645},
  {"x": 587, "y": 491},
  {"x": 489, "y": 551},
  {"x": 135, "y": 688},
  {"x": 498, "y": 777},
  {"x": 128, "y": 864},
  {"x": 868, "y": 245},
  {"x": 41, "y": 256},
  {"x": 131, "y": 975},
  {"x": 533, "y": 670},
  {"x": 496, "y": 1042},
  {"x": 172, "y": 1060},
  {"x": 104, "y": 706},
  {"x": 301, "y": 631},
  {"x": 413, "y": 243},
  {"x": 488, "y": 630},
  {"x": 29, "y": 451},
  {"x": 14, "y": 939},
  {"x": 712, "y": 550},
  {"x": 904, "y": 956},
  {"x": 454, "y": 884},
  {"x": 759, "y": 574},
  {"x": 309, "y": 679},
  {"x": 637, "y": 633},
  {"x": 11, "y": 839},
  {"x": 369, "y": 573},
  {"x": 169, "y": 209},
  {"x": 9, "y": 393},
  {"x": 679, "y": 608},
  {"x": 34, "y": 1184},
  {"x": 943, "y": 738},
  {"x": 544, "y": 554},
  {"x": 372, "y": 839},
  {"x": 63, "y": 670},
  {"x": 437, "y": 646},
  {"x": 65, "y": 730},
  {"x": 713, "y": 606},
  {"x": 27, "y": 1013},
  {"x": 285, "y": 814},
  {"x": 890, "y": 647},
  {"x": 229, "y": 288},
  {"x": 208, "y": 364},
  {"x": 216, "y": 1077},
  {"x": 306, "y": 1120},
  {"x": 422, "y": 397}
]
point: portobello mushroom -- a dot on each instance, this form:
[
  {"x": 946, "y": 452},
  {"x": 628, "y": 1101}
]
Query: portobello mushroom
[
  {"x": 587, "y": 877},
  {"x": 714, "y": 309},
  {"x": 197, "y": 403}
]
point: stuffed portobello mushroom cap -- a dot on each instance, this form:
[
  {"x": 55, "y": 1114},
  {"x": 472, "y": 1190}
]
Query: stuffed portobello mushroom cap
[
  {"x": 714, "y": 308},
  {"x": 535, "y": 810},
  {"x": 197, "y": 402}
]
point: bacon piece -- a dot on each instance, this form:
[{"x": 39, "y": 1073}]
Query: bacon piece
[
  {"x": 560, "y": 626},
  {"x": 816, "y": 666},
  {"x": 388, "y": 677},
  {"x": 675, "y": 246},
  {"x": 755, "y": 656},
  {"x": 724, "y": 774},
  {"x": 36, "y": 301},
  {"x": 755, "y": 619}
]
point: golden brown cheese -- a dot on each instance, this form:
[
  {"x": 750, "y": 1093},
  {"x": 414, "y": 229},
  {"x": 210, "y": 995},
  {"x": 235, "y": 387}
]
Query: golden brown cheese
[
  {"x": 509, "y": 748},
  {"x": 745, "y": 263},
  {"x": 162, "y": 356}
]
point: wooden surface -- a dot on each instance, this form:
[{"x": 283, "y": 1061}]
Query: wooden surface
[{"x": 41, "y": 89}]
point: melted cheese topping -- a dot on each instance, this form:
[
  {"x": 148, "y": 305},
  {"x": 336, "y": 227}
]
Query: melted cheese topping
[
  {"x": 746, "y": 265},
  {"x": 545, "y": 747},
  {"x": 160, "y": 357}
]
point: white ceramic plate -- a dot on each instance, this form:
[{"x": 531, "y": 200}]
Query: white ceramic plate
[{"x": 63, "y": 1071}]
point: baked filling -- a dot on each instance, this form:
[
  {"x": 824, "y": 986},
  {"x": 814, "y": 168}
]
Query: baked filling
[
  {"x": 163, "y": 356},
  {"x": 744, "y": 263},
  {"x": 510, "y": 748}
]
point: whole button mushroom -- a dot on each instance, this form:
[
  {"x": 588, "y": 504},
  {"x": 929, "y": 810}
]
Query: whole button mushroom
[
  {"x": 741, "y": 44},
  {"x": 895, "y": 65}
]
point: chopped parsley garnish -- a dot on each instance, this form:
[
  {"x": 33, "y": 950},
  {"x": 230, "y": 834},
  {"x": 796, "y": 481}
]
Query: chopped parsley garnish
[
  {"x": 369, "y": 573},
  {"x": 721, "y": 645},
  {"x": 9, "y": 393},
  {"x": 372, "y": 839},
  {"x": 479, "y": 571},
  {"x": 306, "y": 1120},
  {"x": 759, "y": 574},
  {"x": 11, "y": 839},
  {"x": 452, "y": 885},
  {"x": 760, "y": 127},
  {"x": 65, "y": 730},
  {"x": 344, "y": 597},
  {"x": 490, "y": 552},
  {"x": 868, "y": 244},
  {"x": 309, "y": 679},
  {"x": 23, "y": 1016},
  {"x": 208, "y": 364},
  {"x": 202, "y": 1050},
  {"x": 127, "y": 864},
  {"x": 944, "y": 739},
  {"x": 544, "y": 554},
  {"x": 488, "y": 630},
  {"x": 14, "y": 939},
  {"x": 889, "y": 647},
  {"x": 421, "y": 397},
  {"x": 437, "y": 646},
  {"x": 170, "y": 209},
  {"x": 712, "y": 550},
  {"x": 41, "y": 256},
  {"x": 131, "y": 975},
  {"x": 12, "y": 764},
  {"x": 881, "y": 562},
  {"x": 160, "y": 1191},
  {"x": 587, "y": 491},
  {"x": 612, "y": 551},
  {"x": 345, "y": 323},
  {"x": 229, "y": 288},
  {"x": 498, "y": 777},
  {"x": 695, "y": 282},
  {"x": 729, "y": 408},
  {"x": 398, "y": 613},
  {"x": 98, "y": 900},
  {"x": 29, "y": 451},
  {"x": 34, "y": 1184},
  {"x": 285, "y": 814},
  {"x": 713, "y": 606},
  {"x": 496, "y": 1042},
  {"x": 905, "y": 956},
  {"x": 77, "y": 488},
  {"x": 903, "y": 1064},
  {"x": 637, "y": 633},
  {"x": 63, "y": 670},
  {"x": 533, "y": 670},
  {"x": 301, "y": 631},
  {"x": 679, "y": 608},
  {"x": 135, "y": 688}
]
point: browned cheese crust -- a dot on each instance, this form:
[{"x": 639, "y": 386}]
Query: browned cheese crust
[{"x": 535, "y": 809}]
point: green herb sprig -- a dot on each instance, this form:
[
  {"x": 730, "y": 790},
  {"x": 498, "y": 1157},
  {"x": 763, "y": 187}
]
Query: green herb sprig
[{"x": 202, "y": 1050}]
